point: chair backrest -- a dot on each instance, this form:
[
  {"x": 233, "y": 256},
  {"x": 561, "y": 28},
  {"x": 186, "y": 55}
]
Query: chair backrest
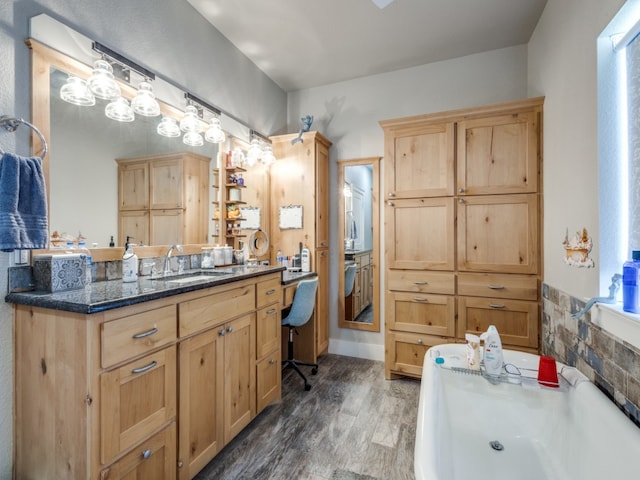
[
  {"x": 303, "y": 303},
  {"x": 349, "y": 279}
]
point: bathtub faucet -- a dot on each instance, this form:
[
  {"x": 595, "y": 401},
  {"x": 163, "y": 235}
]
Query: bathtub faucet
[{"x": 613, "y": 290}]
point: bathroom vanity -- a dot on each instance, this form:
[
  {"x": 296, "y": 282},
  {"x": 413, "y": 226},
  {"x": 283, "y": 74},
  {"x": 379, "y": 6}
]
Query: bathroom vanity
[{"x": 151, "y": 378}]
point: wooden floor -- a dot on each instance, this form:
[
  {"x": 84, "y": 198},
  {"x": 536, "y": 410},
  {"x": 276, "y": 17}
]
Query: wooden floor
[{"x": 352, "y": 425}]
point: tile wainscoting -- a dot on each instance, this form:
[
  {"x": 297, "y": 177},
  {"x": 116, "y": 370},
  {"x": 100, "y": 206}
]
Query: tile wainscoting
[{"x": 608, "y": 361}]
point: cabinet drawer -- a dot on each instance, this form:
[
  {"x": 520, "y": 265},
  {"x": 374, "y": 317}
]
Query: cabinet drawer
[
  {"x": 268, "y": 292},
  {"x": 519, "y": 287},
  {"x": 204, "y": 312},
  {"x": 268, "y": 328},
  {"x": 136, "y": 399},
  {"x": 405, "y": 352},
  {"x": 421, "y": 313},
  {"x": 153, "y": 459},
  {"x": 268, "y": 378},
  {"x": 421, "y": 281},
  {"x": 516, "y": 321},
  {"x": 137, "y": 334}
]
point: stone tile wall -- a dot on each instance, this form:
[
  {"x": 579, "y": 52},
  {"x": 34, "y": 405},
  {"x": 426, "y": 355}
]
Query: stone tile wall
[{"x": 609, "y": 362}]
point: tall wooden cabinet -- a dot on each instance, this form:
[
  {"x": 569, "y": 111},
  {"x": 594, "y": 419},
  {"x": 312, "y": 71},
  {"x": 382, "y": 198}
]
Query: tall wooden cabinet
[
  {"x": 462, "y": 232},
  {"x": 300, "y": 177},
  {"x": 163, "y": 199}
]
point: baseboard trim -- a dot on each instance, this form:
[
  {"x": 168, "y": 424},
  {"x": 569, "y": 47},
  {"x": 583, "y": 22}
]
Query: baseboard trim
[{"x": 370, "y": 351}]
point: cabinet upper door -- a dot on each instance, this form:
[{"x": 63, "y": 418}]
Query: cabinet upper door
[
  {"x": 322, "y": 195},
  {"x": 166, "y": 183},
  {"x": 133, "y": 185},
  {"x": 498, "y": 154},
  {"x": 421, "y": 161}
]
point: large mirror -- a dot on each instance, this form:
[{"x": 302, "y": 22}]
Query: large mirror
[{"x": 358, "y": 234}]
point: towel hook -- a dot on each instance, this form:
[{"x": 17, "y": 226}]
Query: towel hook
[{"x": 10, "y": 124}]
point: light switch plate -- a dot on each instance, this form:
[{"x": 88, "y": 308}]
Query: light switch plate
[{"x": 21, "y": 257}]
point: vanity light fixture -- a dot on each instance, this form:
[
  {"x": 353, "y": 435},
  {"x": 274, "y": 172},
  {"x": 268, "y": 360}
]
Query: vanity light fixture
[
  {"x": 267, "y": 155},
  {"x": 191, "y": 121},
  {"x": 255, "y": 151},
  {"x": 168, "y": 127},
  {"x": 119, "y": 110},
  {"x": 193, "y": 139},
  {"x": 214, "y": 133},
  {"x": 145, "y": 103},
  {"x": 102, "y": 82},
  {"x": 259, "y": 149},
  {"x": 76, "y": 91}
]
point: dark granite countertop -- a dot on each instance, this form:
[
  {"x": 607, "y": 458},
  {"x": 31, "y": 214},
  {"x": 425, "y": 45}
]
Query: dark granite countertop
[
  {"x": 102, "y": 296},
  {"x": 289, "y": 277}
]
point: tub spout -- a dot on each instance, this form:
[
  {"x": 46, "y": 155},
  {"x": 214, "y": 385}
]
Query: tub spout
[{"x": 613, "y": 290}]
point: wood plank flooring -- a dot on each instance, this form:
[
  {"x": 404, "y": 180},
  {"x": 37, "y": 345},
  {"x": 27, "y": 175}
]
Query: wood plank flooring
[{"x": 352, "y": 425}]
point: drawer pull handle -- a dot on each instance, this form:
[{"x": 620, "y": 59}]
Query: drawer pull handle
[
  {"x": 272, "y": 361},
  {"x": 229, "y": 329},
  {"x": 421, "y": 283},
  {"x": 146, "y": 334},
  {"x": 496, "y": 287},
  {"x": 146, "y": 454},
  {"x": 270, "y": 292},
  {"x": 273, "y": 310},
  {"x": 420, "y": 299},
  {"x": 497, "y": 305},
  {"x": 145, "y": 368}
]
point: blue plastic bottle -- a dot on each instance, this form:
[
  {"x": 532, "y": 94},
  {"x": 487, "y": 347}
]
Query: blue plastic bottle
[{"x": 630, "y": 284}]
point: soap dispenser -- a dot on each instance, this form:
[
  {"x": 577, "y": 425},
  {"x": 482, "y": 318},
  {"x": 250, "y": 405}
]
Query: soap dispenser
[
  {"x": 129, "y": 263},
  {"x": 493, "y": 357}
]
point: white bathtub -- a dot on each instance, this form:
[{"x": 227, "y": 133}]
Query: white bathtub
[{"x": 570, "y": 433}]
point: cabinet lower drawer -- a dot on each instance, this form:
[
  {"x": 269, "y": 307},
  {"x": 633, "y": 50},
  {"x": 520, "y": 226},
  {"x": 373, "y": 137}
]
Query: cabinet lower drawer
[
  {"x": 153, "y": 459},
  {"x": 268, "y": 380},
  {"x": 519, "y": 287},
  {"x": 268, "y": 328},
  {"x": 136, "y": 399},
  {"x": 516, "y": 320},
  {"x": 137, "y": 334},
  {"x": 421, "y": 313},
  {"x": 404, "y": 352},
  {"x": 421, "y": 281},
  {"x": 205, "y": 312}
]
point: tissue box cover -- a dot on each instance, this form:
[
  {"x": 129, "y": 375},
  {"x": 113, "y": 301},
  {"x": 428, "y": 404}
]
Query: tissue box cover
[{"x": 56, "y": 272}]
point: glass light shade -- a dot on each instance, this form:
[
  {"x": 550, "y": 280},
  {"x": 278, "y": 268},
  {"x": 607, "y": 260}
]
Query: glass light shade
[
  {"x": 254, "y": 153},
  {"x": 193, "y": 139},
  {"x": 120, "y": 110},
  {"x": 102, "y": 83},
  {"x": 168, "y": 127},
  {"x": 214, "y": 133},
  {"x": 145, "y": 103},
  {"x": 76, "y": 91},
  {"x": 191, "y": 122},
  {"x": 267, "y": 155}
]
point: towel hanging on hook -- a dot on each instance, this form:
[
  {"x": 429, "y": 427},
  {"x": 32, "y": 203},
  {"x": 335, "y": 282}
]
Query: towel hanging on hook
[{"x": 10, "y": 124}]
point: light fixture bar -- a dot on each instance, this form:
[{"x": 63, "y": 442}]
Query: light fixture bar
[
  {"x": 202, "y": 103},
  {"x": 124, "y": 61},
  {"x": 260, "y": 136}
]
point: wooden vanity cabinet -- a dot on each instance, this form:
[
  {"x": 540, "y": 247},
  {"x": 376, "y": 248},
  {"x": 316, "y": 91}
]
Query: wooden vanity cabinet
[
  {"x": 268, "y": 342},
  {"x": 462, "y": 235}
]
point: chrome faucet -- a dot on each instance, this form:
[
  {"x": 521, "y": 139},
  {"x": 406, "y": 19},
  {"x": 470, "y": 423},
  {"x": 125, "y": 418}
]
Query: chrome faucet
[{"x": 167, "y": 259}]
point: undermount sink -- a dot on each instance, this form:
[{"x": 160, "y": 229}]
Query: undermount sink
[{"x": 193, "y": 277}]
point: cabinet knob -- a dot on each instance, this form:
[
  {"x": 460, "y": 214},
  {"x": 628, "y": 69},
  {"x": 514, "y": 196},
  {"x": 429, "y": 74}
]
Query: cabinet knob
[
  {"x": 420, "y": 341},
  {"x": 461, "y": 200},
  {"x": 392, "y": 194},
  {"x": 146, "y": 454},
  {"x": 180, "y": 464},
  {"x": 222, "y": 332},
  {"x": 461, "y": 190},
  {"x": 272, "y": 361},
  {"x": 391, "y": 204},
  {"x": 229, "y": 329}
]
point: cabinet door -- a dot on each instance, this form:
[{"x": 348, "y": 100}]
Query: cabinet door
[
  {"x": 404, "y": 352},
  {"x": 268, "y": 328},
  {"x": 419, "y": 234},
  {"x": 166, "y": 227},
  {"x": 240, "y": 375},
  {"x": 498, "y": 233},
  {"x": 135, "y": 224},
  {"x": 420, "y": 161},
  {"x": 153, "y": 459},
  {"x": 498, "y": 154},
  {"x": 136, "y": 399},
  {"x": 322, "y": 196},
  {"x": 322, "y": 301},
  {"x": 201, "y": 420},
  {"x": 421, "y": 313},
  {"x": 166, "y": 184},
  {"x": 133, "y": 186},
  {"x": 268, "y": 381}
]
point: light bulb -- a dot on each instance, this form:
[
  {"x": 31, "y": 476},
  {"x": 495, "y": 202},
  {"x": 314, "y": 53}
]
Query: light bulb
[
  {"x": 120, "y": 110},
  {"x": 77, "y": 92},
  {"x": 168, "y": 127},
  {"x": 193, "y": 139},
  {"x": 145, "y": 103},
  {"x": 102, "y": 83}
]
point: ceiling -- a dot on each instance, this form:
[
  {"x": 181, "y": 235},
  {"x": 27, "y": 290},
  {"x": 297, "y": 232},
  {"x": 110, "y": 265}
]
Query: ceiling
[{"x": 307, "y": 43}]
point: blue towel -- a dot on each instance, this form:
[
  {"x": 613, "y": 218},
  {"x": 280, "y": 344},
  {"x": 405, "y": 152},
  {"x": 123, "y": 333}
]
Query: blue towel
[{"x": 23, "y": 203}]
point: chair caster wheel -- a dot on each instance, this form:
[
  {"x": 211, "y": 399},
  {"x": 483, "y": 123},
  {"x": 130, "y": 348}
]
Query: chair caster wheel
[
  {"x": 314, "y": 371},
  {"x": 307, "y": 387}
]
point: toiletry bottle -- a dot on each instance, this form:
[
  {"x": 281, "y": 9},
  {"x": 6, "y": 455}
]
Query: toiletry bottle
[
  {"x": 473, "y": 351},
  {"x": 493, "y": 357},
  {"x": 82, "y": 246},
  {"x": 111, "y": 242},
  {"x": 129, "y": 264},
  {"x": 279, "y": 258},
  {"x": 305, "y": 260},
  {"x": 630, "y": 273}
]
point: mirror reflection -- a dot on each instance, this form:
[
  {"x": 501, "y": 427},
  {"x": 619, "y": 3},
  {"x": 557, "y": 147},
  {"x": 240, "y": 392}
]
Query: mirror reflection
[
  {"x": 83, "y": 186},
  {"x": 358, "y": 181}
]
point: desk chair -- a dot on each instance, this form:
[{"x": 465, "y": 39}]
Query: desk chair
[
  {"x": 301, "y": 311},
  {"x": 349, "y": 279}
]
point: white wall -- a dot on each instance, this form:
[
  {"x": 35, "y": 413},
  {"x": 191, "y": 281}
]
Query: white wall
[
  {"x": 173, "y": 39},
  {"x": 348, "y": 114}
]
